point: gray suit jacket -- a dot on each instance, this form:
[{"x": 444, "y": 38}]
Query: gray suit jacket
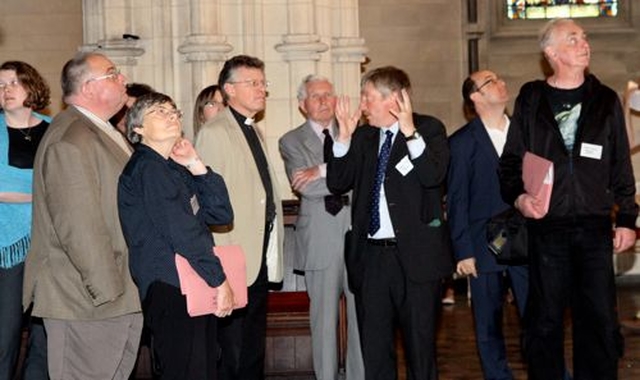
[
  {"x": 78, "y": 265},
  {"x": 319, "y": 235}
]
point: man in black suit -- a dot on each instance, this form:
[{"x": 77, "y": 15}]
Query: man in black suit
[{"x": 398, "y": 249}]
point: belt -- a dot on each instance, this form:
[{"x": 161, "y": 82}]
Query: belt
[
  {"x": 383, "y": 242},
  {"x": 343, "y": 199}
]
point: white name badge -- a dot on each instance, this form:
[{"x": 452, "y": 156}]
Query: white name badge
[
  {"x": 591, "y": 151},
  {"x": 404, "y": 166}
]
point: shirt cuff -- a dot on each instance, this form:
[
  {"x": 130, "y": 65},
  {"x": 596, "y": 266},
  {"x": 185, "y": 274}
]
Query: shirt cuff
[
  {"x": 341, "y": 149},
  {"x": 323, "y": 170},
  {"x": 416, "y": 147}
]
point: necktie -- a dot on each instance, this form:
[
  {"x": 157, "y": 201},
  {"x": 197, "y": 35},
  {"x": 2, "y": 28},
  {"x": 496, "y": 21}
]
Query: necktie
[
  {"x": 332, "y": 203},
  {"x": 327, "y": 148},
  {"x": 383, "y": 159}
]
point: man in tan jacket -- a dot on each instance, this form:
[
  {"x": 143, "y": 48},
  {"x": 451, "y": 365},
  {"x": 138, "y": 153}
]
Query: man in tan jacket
[
  {"x": 77, "y": 272},
  {"x": 231, "y": 146}
]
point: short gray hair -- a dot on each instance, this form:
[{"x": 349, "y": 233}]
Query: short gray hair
[
  {"x": 135, "y": 114},
  {"x": 302, "y": 88},
  {"x": 546, "y": 34},
  {"x": 74, "y": 72}
]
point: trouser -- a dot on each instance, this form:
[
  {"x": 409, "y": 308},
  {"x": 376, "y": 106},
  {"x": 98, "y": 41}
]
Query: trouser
[{"x": 572, "y": 266}]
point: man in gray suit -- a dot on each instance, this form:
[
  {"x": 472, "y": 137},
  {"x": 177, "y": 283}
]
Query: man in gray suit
[
  {"x": 320, "y": 228},
  {"x": 77, "y": 272}
]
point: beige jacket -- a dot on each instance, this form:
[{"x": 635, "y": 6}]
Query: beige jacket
[
  {"x": 78, "y": 265},
  {"x": 222, "y": 146}
]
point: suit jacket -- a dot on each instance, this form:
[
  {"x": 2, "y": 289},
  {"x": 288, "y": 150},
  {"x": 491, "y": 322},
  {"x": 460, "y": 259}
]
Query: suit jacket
[
  {"x": 473, "y": 194},
  {"x": 222, "y": 146},
  {"x": 78, "y": 265},
  {"x": 414, "y": 200},
  {"x": 319, "y": 235}
]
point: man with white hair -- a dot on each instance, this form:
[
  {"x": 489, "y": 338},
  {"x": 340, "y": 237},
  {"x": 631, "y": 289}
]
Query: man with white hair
[
  {"x": 575, "y": 121},
  {"x": 322, "y": 223}
]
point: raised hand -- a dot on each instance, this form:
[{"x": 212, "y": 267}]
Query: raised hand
[
  {"x": 347, "y": 122},
  {"x": 185, "y": 154},
  {"x": 404, "y": 114}
]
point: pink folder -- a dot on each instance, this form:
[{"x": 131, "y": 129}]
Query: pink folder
[
  {"x": 537, "y": 175},
  {"x": 201, "y": 298}
]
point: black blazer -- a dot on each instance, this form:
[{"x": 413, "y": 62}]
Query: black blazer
[{"x": 414, "y": 200}]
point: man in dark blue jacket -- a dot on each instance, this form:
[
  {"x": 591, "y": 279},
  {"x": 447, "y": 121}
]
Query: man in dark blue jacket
[{"x": 474, "y": 197}]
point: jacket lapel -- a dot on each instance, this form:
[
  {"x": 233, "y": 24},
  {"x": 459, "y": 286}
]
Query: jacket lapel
[{"x": 483, "y": 141}]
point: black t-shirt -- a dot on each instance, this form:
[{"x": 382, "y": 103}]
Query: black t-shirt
[
  {"x": 23, "y": 144},
  {"x": 566, "y": 106}
]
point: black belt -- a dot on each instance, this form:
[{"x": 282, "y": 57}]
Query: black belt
[
  {"x": 344, "y": 199},
  {"x": 383, "y": 242}
]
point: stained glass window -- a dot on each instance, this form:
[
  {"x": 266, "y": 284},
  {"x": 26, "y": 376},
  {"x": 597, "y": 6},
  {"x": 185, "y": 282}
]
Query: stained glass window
[{"x": 548, "y": 9}]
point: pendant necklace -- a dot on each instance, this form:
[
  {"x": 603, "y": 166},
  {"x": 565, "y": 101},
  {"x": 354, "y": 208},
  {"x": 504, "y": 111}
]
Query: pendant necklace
[{"x": 27, "y": 134}]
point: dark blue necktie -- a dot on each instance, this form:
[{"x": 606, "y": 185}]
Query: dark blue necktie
[{"x": 383, "y": 159}]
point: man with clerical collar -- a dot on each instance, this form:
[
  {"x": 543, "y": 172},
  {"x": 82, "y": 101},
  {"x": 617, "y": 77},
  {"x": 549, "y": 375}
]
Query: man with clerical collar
[{"x": 231, "y": 146}]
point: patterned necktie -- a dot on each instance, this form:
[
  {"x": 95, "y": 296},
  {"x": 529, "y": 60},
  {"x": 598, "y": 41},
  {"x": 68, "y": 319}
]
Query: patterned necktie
[
  {"x": 332, "y": 203},
  {"x": 383, "y": 159}
]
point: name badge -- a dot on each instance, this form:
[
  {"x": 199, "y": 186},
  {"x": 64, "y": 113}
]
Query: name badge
[
  {"x": 591, "y": 151},
  {"x": 404, "y": 166}
]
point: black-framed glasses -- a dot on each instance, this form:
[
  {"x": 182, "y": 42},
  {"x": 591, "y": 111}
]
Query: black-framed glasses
[
  {"x": 486, "y": 83},
  {"x": 166, "y": 113}
]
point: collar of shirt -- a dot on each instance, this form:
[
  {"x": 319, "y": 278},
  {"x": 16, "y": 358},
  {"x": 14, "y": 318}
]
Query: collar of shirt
[
  {"x": 317, "y": 128},
  {"x": 241, "y": 119},
  {"x": 107, "y": 128},
  {"x": 394, "y": 128},
  {"x": 499, "y": 138}
]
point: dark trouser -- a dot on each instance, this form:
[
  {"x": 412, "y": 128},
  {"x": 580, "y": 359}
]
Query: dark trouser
[
  {"x": 184, "y": 347},
  {"x": 242, "y": 336},
  {"x": 11, "y": 318},
  {"x": 487, "y": 297},
  {"x": 387, "y": 296},
  {"x": 572, "y": 266}
]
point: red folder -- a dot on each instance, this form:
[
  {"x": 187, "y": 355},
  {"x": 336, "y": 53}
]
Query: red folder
[
  {"x": 537, "y": 175},
  {"x": 201, "y": 298}
]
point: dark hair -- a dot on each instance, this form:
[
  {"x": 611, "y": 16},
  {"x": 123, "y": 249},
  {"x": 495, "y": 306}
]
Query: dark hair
[
  {"x": 387, "y": 79},
  {"x": 38, "y": 93},
  {"x": 468, "y": 88},
  {"x": 134, "y": 90},
  {"x": 205, "y": 96},
  {"x": 227, "y": 74},
  {"x": 135, "y": 114}
]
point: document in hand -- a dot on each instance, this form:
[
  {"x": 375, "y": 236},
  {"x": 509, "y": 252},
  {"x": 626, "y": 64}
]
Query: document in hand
[
  {"x": 201, "y": 298},
  {"x": 537, "y": 175}
]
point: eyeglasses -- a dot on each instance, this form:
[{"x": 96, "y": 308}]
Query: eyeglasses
[
  {"x": 166, "y": 113},
  {"x": 486, "y": 83},
  {"x": 213, "y": 103},
  {"x": 112, "y": 75},
  {"x": 11, "y": 84},
  {"x": 254, "y": 83}
]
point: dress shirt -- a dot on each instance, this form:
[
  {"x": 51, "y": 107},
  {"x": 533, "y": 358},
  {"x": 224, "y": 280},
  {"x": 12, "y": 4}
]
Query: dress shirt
[
  {"x": 416, "y": 147},
  {"x": 107, "y": 128},
  {"x": 165, "y": 210},
  {"x": 317, "y": 129},
  {"x": 498, "y": 137}
]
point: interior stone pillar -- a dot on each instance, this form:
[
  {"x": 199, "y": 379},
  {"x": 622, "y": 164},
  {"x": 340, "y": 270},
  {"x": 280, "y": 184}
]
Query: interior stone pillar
[{"x": 182, "y": 45}]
